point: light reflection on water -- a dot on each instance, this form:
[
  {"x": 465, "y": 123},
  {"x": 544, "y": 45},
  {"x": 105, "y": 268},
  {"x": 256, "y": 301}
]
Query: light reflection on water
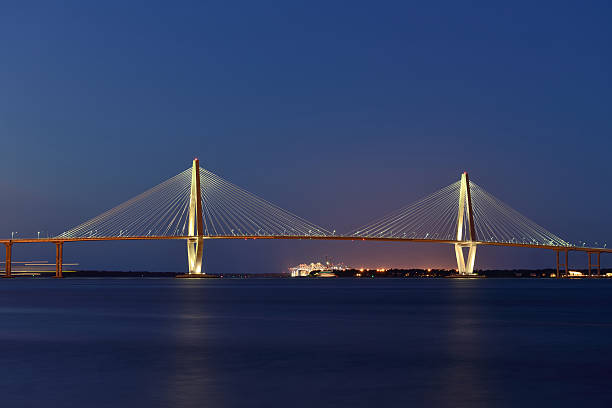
[
  {"x": 190, "y": 381},
  {"x": 304, "y": 343},
  {"x": 465, "y": 343}
]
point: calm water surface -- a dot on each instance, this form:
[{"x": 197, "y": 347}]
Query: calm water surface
[{"x": 305, "y": 343}]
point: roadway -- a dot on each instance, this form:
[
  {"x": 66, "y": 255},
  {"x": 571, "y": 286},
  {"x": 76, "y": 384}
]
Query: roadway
[{"x": 301, "y": 237}]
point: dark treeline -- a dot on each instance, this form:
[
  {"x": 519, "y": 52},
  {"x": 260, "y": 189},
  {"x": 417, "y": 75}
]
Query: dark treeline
[{"x": 443, "y": 273}]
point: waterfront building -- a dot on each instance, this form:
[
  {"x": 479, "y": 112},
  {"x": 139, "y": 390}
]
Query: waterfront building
[{"x": 305, "y": 269}]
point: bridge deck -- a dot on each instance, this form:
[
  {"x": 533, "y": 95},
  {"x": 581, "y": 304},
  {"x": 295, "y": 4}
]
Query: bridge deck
[{"x": 297, "y": 237}]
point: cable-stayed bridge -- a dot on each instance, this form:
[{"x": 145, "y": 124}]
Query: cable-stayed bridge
[{"x": 197, "y": 205}]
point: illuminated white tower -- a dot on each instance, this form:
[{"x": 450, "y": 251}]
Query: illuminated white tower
[
  {"x": 195, "y": 244},
  {"x": 465, "y": 210}
]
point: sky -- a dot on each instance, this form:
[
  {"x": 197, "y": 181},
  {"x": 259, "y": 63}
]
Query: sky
[{"x": 337, "y": 111}]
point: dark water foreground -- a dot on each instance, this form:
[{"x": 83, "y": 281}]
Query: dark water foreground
[{"x": 305, "y": 343}]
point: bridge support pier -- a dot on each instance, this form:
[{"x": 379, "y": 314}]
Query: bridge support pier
[
  {"x": 565, "y": 265},
  {"x": 463, "y": 267},
  {"x": 195, "y": 252},
  {"x": 598, "y": 264},
  {"x": 7, "y": 262},
  {"x": 59, "y": 259}
]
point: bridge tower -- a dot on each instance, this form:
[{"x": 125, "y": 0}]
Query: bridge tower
[
  {"x": 465, "y": 210},
  {"x": 195, "y": 244}
]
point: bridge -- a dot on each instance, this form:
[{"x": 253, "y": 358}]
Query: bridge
[{"x": 197, "y": 205}]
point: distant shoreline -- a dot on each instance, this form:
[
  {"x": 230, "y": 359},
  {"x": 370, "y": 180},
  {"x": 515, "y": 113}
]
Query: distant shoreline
[{"x": 349, "y": 273}]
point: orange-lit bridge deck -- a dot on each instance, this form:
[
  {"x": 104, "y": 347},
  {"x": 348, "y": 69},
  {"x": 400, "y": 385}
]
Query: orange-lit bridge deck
[{"x": 59, "y": 242}]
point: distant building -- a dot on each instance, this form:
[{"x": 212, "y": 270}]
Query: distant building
[
  {"x": 575, "y": 273},
  {"x": 306, "y": 269}
]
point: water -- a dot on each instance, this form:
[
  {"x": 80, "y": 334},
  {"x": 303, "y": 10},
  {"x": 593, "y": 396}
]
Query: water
[{"x": 305, "y": 343}]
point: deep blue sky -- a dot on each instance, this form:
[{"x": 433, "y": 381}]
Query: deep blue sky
[{"x": 337, "y": 111}]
